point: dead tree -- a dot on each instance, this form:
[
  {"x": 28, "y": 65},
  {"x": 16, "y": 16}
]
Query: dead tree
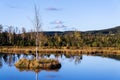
[{"x": 37, "y": 25}]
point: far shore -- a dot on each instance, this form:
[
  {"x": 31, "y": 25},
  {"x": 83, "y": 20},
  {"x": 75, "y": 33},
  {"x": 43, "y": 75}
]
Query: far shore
[{"x": 27, "y": 50}]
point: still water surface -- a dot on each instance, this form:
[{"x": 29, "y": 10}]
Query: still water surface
[{"x": 73, "y": 67}]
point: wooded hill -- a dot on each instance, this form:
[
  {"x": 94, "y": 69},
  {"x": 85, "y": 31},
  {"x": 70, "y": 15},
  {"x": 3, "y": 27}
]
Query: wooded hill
[
  {"x": 55, "y": 39},
  {"x": 115, "y": 30}
]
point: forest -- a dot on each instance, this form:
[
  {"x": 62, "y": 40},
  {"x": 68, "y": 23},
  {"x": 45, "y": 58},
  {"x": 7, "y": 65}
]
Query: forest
[{"x": 11, "y": 36}]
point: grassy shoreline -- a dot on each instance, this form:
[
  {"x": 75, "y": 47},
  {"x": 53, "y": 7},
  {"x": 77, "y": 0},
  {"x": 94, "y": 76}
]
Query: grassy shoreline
[{"x": 27, "y": 50}]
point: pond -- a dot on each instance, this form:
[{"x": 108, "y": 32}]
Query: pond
[{"x": 73, "y": 67}]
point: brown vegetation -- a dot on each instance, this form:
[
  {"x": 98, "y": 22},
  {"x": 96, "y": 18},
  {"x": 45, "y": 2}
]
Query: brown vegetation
[
  {"x": 27, "y": 50},
  {"x": 37, "y": 65}
]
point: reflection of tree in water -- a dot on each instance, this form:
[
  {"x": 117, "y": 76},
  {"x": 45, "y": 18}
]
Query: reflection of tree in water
[
  {"x": 112, "y": 56},
  {"x": 10, "y": 59},
  {"x": 24, "y": 56},
  {"x": 71, "y": 56},
  {"x": 37, "y": 65},
  {"x": 5, "y": 58},
  {"x": 58, "y": 55},
  {"x": 37, "y": 71},
  {"x": 1, "y": 64},
  {"x": 48, "y": 55},
  {"x": 74, "y": 57},
  {"x": 78, "y": 59},
  {"x": 18, "y": 56}
]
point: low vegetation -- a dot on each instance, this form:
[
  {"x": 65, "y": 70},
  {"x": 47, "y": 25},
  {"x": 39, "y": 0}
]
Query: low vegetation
[{"x": 38, "y": 64}]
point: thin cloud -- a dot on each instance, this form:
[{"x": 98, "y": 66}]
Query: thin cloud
[
  {"x": 63, "y": 27},
  {"x": 73, "y": 29},
  {"x": 57, "y": 22},
  {"x": 60, "y": 26},
  {"x": 13, "y": 6},
  {"x": 52, "y": 9}
]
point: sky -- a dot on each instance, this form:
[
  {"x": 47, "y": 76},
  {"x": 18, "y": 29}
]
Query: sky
[{"x": 61, "y": 15}]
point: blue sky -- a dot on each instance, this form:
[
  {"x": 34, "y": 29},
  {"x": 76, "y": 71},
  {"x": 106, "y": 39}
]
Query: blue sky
[{"x": 59, "y": 15}]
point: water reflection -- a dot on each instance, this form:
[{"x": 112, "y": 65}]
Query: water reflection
[
  {"x": 37, "y": 66},
  {"x": 37, "y": 71},
  {"x": 74, "y": 58},
  {"x": 1, "y": 61},
  {"x": 1, "y": 64},
  {"x": 10, "y": 59}
]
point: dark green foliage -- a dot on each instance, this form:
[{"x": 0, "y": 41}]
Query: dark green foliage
[
  {"x": 70, "y": 39},
  {"x": 115, "y": 30}
]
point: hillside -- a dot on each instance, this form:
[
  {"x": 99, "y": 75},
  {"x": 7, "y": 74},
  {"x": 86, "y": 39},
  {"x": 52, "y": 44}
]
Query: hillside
[{"x": 115, "y": 30}]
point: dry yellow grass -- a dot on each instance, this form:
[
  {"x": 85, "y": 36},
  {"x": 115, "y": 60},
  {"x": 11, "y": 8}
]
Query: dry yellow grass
[
  {"x": 41, "y": 63},
  {"x": 62, "y": 50}
]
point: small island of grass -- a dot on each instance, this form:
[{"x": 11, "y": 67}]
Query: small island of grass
[{"x": 44, "y": 64}]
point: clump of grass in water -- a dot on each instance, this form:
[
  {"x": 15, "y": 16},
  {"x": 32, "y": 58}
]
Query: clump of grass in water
[{"x": 37, "y": 64}]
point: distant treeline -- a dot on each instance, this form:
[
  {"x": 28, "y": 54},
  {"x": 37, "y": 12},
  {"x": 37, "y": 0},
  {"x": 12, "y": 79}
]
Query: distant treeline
[{"x": 74, "y": 39}]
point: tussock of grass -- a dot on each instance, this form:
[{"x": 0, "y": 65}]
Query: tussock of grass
[{"x": 45, "y": 64}]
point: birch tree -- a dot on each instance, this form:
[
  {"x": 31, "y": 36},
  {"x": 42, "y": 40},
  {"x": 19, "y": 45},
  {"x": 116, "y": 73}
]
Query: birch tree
[{"x": 37, "y": 26}]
